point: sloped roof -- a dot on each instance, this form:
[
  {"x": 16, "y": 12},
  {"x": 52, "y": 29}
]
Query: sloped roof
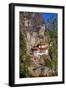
[{"x": 40, "y": 48}]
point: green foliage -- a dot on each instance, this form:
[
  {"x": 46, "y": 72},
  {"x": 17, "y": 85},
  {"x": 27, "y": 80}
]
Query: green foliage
[
  {"x": 23, "y": 69},
  {"x": 53, "y": 50},
  {"x": 48, "y": 63},
  {"x": 52, "y": 30},
  {"x": 28, "y": 60},
  {"x": 53, "y": 55},
  {"x": 24, "y": 57},
  {"x": 23, "y": 49}
]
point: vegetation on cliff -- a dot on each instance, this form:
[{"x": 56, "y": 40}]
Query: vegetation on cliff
[{"x": 38, "y": 32}]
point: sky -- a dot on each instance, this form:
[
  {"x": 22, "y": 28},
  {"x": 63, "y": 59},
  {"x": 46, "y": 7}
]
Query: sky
[{"x": 47, "y": 15}]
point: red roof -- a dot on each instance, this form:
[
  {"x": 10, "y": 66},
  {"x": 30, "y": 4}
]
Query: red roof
[
  {"x": 37, "y": 48},
  {"x": 40, "y": 47}
]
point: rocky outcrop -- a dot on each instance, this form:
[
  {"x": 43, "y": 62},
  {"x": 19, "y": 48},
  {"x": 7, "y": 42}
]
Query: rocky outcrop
[{"x": 33, "y": 27}]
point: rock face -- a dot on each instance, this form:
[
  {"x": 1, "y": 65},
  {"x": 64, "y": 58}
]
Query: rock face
[
  {"x": 33, "y": 26},
  {"x": 42, "y": 30}
]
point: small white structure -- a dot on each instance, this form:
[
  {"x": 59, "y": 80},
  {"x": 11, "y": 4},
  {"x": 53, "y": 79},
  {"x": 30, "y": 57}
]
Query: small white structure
[{"x": 41, "y": 49}]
